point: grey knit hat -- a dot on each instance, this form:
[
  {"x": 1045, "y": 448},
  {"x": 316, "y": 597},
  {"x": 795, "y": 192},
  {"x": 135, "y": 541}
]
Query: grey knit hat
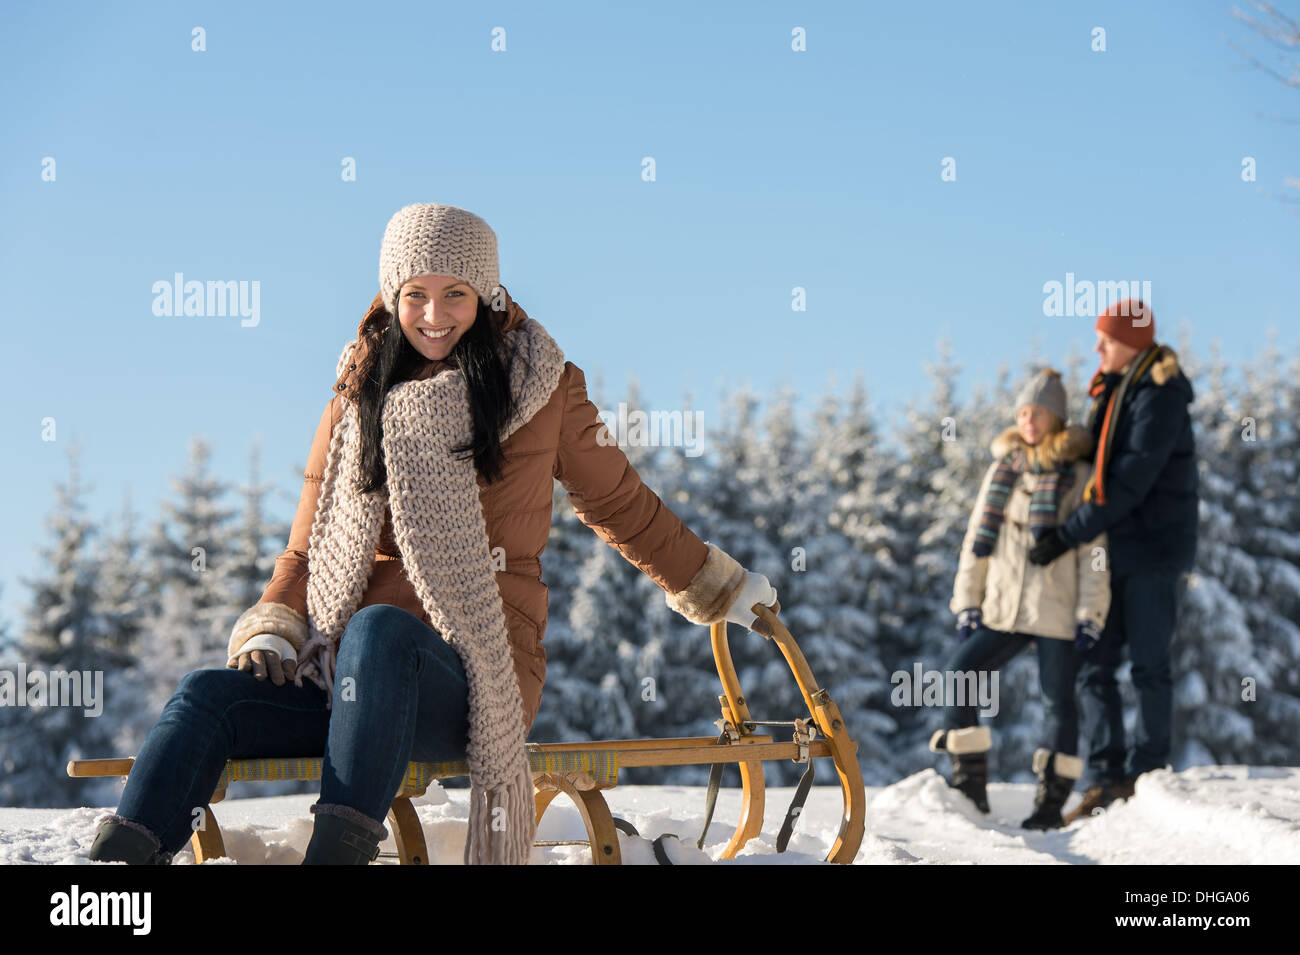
[
  {"x": 1045, "y": 389},
  {"x": 429, "y": 237}
]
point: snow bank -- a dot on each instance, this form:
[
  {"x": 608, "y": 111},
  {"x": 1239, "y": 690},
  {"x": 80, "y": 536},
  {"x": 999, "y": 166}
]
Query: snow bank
[
  {"x": 1211, "y": 814},
  {"x": 1207, "y": 814}
]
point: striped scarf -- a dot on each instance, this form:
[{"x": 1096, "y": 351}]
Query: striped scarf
[
  {"x": 1108, "y": 391},
  {"x": 1044, "y": 503}
]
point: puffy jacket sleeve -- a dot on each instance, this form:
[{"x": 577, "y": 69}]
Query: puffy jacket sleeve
[
  {"x": 1093, "y": 601},
  {"x": 282, "y": 609},
  {"x": 608, "y": 495},
  {"x": 972, "y": 571},
  {"x": 1142, "y": 449}
]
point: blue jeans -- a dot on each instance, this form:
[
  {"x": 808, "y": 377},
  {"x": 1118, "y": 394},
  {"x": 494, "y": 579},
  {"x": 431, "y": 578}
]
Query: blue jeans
[
  {"x": 1143, "y": 614},
  {"x": 988, "y": 650},
  {"x": 409, "y": 701}
]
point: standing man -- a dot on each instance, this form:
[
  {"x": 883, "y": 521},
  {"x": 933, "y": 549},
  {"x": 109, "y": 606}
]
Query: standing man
[{"x": 1143, "y": 495}]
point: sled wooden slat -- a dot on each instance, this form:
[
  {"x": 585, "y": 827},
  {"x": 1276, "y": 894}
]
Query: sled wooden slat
[
  {"x": 581, "y": 771},
  {"x": 742, "y": 751},
  {"x": 649, "y": 742}
]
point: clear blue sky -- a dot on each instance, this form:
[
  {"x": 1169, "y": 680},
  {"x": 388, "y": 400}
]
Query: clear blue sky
[{"x": 775, "y": 169}]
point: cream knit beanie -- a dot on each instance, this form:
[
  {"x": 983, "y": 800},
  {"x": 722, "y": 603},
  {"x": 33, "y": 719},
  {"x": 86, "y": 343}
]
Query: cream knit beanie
[{"x": 431, "y": 238}]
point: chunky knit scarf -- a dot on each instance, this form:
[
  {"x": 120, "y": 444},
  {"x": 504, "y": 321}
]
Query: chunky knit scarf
[
  {"x": 1044, "y": 503},
  {"x": 441, "y": 533}
]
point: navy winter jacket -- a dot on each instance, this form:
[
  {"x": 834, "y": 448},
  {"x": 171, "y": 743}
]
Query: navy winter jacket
[{"x": 1151, "y": 508}]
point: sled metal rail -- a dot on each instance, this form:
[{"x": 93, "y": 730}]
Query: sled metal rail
[{"x": 582, "y": 770}]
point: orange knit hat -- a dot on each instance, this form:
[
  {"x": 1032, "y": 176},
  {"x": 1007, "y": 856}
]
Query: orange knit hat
[{"x": 1131, "y": 321}]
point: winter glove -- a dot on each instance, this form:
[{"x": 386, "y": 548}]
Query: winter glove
[
  {"x": 968, "y": 621},
  {"x": 756, "y": 590},
  {"x": 257, "y": 657},
  {"x": 1086, "y": 635},
  {"x": 1052, "y": 546},
  {"x": 722, "y": 590},
  {"x": 265, "y": 639}
]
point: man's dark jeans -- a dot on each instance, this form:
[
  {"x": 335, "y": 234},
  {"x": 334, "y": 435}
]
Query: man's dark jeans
[{"x": 1143, "y": 614}]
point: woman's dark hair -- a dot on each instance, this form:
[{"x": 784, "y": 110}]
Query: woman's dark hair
[{"x": 390, "y": 359}]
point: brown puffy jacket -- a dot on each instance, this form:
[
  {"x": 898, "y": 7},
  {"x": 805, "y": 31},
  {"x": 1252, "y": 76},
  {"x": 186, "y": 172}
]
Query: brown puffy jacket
[{"x": 559, "y": 442}]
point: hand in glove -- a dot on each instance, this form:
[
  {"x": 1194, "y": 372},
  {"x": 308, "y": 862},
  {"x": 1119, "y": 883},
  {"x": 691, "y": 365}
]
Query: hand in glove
[
  {"x": 1052, "y": 546},
  {"x": 1086, "y": 635},
  {"x": 757, "y": 590},
  {"x": 256, "y": 656},
  {"x": 968, "y": 621}
]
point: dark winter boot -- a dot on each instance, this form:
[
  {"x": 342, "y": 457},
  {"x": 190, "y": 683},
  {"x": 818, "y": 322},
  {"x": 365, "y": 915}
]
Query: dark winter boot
[
  {"x": 969, "y": 748},
  {"x": 121, "y": 840},
  {"x": 1099, "y": 798},
  {"x": 1057, "y": 773},
  {"x": 343, "y": 836}
]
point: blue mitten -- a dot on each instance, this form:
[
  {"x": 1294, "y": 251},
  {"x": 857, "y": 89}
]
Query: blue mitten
[
  {"x": 968, "y": 621},
  {"x": 1086, "y": 635}
]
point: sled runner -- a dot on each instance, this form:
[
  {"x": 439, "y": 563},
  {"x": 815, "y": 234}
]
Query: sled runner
[{"x": 582, "y": 771}]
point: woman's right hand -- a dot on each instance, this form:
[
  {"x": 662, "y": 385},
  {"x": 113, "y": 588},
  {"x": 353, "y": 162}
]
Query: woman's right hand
[{"x": 262, "y": 662}]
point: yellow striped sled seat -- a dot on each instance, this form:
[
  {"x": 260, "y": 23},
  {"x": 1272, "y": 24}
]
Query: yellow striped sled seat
[{"x": 601, "y": 767}]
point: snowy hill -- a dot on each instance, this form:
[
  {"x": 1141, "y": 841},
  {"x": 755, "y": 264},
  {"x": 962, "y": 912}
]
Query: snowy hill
[{"x": 1209, "y": 814}]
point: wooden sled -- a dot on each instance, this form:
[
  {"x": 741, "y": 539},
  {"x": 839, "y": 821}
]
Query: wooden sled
[{"x": 581, "y": 771}]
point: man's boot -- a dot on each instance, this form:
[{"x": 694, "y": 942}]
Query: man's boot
[
  {"x": 1099, "y": 798},
  {"x": 121, "y": 840},
  {"x": 1057, "y": 773},
  {"x": 343, "y": 836},
  {"x": 969, "y": 748}
]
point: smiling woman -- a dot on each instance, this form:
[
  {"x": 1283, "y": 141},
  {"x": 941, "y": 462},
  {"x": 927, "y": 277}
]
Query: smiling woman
[
  {"x": 435, "y": 311},
  {"x": 411, "y": 583},
  {"x": 438, "y": 317}
]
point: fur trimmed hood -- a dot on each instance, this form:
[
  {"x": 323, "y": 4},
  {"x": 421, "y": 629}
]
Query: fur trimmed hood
[
  {"x": 1165, "y": 367},
  {"x": 1056, "y": 449}
]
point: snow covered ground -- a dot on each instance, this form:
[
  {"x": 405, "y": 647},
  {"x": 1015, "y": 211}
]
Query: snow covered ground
[{"x": 1210, "y": 814}]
